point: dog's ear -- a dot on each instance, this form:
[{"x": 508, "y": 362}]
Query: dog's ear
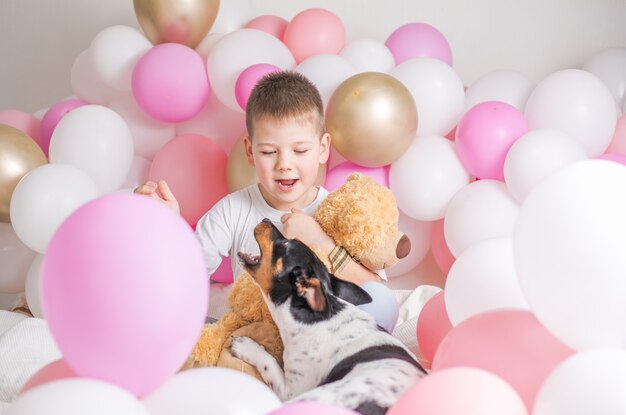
[
  {"x": 310, "y": 288},
  {"x": 349, "y": 291}
]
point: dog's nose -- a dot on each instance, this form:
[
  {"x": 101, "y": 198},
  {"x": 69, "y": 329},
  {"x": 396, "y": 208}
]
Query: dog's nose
[
  {"x": 266, "y": 220},
  {"x": 404, "y": 247}
]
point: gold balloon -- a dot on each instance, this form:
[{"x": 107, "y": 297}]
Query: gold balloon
[
  {"x": 177, "y": 21},
  {"x": 19, "y": 154},
  {"x": 240, "y": 174},
  {"x": 371, "y": 118}
]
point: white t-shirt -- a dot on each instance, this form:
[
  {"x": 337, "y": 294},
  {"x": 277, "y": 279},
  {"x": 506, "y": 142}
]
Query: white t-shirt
[{"x": 228, "y": 227}]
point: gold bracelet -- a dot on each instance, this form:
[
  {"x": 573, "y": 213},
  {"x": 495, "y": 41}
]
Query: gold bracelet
[{"x": 339, "y": 258}]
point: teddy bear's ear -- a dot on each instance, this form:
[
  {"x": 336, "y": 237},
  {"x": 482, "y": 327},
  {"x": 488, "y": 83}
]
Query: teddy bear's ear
[{"x": 349, "y": 291}]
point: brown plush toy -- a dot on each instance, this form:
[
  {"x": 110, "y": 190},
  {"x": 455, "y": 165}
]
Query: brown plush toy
[{"x": 361, "y": 216}]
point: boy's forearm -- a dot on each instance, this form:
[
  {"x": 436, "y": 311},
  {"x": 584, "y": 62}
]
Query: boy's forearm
[{"x": 357, "y": 273}]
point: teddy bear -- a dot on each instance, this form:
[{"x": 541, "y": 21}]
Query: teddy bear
[{"x": 362, "y": 217}]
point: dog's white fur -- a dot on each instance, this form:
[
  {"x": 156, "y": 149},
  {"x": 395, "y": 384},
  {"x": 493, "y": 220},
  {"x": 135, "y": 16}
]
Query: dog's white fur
[{"x": 311, "y": 351}]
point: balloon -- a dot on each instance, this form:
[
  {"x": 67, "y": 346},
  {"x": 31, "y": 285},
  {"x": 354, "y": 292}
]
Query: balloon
[
  {"x": 98, "y": 141},
  {"x": 85, "y": 83},
  {"x": 223, "y": 273},
  {"x": 483, "y": 278},
  {"x": 76, "y": 397},
  {"x": 23, "y": 121},
  {"x": 337, "y": 176},
  {"x": 314, "y": 31},
  {"x": 432, "y": 325},
  {"x": 193, "y": 391},
  {"x": 588, "y": 382},
  {"x": 311, "y": 408},
  {"x": 44, "y": 198},
  {"x": 618, "y": 158},
  {"x": 185, "y": 22},
  {"x": 15, "y": 258},
  {"x": 138, "y": 174},
  {"x": 510, "y": 87},
  {"x": 372, "y": 119},
  {"x": 509, "y": 343},
  {"x": 481, "y": 210},
  {"x": 123, "y": 272},
  {"x": 577, "y": 103},
  {"x": 52, "y": 118},
  {"x": 537, "y": 154},
  {"x": 50, "y": 372},
  {"x": 248, "y": 79},
  {"x": 326, "y": 72},
  {"x": 33, "y": 287},
  {"x": 415, "y": 40},
  {"x": 569, "y": 242},
  {"x": 201, "y": 181},
  {"x": 113, "y": 53},
  {"x": 460, "y": 390},
  {"x": 368, "y": 55},
  {"x": 19, "y": 154},
  {"x": 207, "y": 44},
  {"x": 439, "y": 248},
  {"x": 618, "y": 142},
  {"x": 484, "y": 136},
  {"x": 384, "y": 306},
  {"x": 610, "y": 66},
  {"x": 438, "y": 93},
  {"x": 426, "y": 177},
  {"x": 274, "y": 25},
  {"x": 418, "y": 233},
  {"x": 238, "y": 50}
]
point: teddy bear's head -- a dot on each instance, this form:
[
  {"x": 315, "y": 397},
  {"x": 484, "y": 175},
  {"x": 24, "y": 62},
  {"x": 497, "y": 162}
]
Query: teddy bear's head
[{"x": 362, "y": 216}]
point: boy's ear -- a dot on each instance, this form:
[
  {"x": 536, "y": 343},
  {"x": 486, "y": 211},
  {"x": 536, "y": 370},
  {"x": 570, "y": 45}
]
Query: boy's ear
[
  {"x": 349, "y": 291},
  {"x": 310, "y": 288},
  {"x": 247, "y": 146},
  {"x": 324, "y": 148}
]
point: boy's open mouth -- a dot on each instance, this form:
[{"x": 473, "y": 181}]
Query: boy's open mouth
[{"x": 286, "y": 184}]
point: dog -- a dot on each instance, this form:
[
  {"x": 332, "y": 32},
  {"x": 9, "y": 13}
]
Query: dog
[{"x": 334, "y": 352}]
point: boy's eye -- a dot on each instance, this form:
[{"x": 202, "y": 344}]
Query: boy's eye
[
  {"x": 267, "y": 152},
  {"x": 301, "y": 151}
]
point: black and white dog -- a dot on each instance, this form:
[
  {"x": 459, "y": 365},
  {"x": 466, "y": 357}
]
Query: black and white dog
[{"x": 334, "y": 351}]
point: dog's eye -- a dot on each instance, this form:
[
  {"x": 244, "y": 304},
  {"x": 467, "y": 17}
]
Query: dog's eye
[{"x": 285, "y": 243}]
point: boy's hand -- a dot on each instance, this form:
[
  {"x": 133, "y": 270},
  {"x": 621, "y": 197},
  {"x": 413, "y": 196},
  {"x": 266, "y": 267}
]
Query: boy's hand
[
  {"x": 299, "y": 225},
  {"x": 159, "y": 191}
]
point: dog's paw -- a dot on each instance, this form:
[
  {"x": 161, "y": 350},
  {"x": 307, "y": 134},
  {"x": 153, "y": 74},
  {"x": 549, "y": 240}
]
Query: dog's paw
[{"x": 246, "y": 349}]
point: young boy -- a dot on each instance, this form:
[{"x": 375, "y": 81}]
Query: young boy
[{"x": 286, "y": 143}]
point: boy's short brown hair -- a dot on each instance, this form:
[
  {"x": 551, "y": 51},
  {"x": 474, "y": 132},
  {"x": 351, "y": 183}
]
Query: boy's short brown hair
[{"x": 282, "y": 95}]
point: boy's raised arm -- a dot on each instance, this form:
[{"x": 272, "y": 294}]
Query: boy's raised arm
[{"x": 159, "y": 191}]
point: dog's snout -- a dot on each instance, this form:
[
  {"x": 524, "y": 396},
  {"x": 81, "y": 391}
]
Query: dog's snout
[
  {"x": 404, "y": 247},
  {"x": 266, "y": 220}
]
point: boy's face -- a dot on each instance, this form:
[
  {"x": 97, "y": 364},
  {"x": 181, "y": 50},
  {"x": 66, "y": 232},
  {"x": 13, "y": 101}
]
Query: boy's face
[{"x": 286, "y": 155}]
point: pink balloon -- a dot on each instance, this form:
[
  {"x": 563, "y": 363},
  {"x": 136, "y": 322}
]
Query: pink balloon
[
  {"x": 432, "y": 325},
  {"x": 195, "y": 169},
  {"x": 124, "y": 291},
  {"x": 618, "y": 158},
  {"x": 273, "y": 25},
  {"x": 337, "y": 176},
  {"x": 224, "y": 273},
  {"x": 170, "y": 82},
  {"x": 314, "y": 32},
  {"x": 459, "y": 391},
  {"x": 311, "y": 408},
  {"x": 414, "y": 40},
  {"x": 56, "y": 370},
  {"x": 484, "y": 136},
  {"x": 618, "y": 142},
  {"x": 509, "y": 343},
  {"x": 52, "y": 117},
  {"x": 248, "y": 79},
  {"x": 438, "y": 246},
  {"x": 23, "y": 121}
]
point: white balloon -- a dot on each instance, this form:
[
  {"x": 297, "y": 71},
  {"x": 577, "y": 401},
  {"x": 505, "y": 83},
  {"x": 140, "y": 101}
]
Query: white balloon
[
  {"x": 44, "y": 198},
  {"x": 326, "y": 72},
  {"x": 207, "y": 43},
  {"x": 569, "y": 244},
  {"x": 149, "y": 134},
  {"x": 86, "y": 85},
  {"x": 368, "y": 55},
  {"x": 610, "y": 66},
  {"x": 418, "y": 233},
  {"x": 76, "y": 396},
  {"x": 589, "y": 382},
  {"x": 507, "y": 86},
  {"x": 113, "y": 53},
  {"x": 213, "y": 390},
  {"x": 438, "y": 93},
  {"x": 481, "y": 210},
  {"x": 15, "y": 258},
  {"x": 138, "y": 174},
  {"x": 578, "y": 103},
  {"x": 483, "y": 278},
  {"x": 98, "y": 141},
  {"x": 33, "y": 281},
  {"x": 238, "y": 50},
  {"x": 232, "y": 15},
  {"x": 426, "y": 177},
  {"x": 535, "y": 155}
]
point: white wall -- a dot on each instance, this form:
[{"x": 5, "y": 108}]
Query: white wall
[{"x": 39, "y": 39}]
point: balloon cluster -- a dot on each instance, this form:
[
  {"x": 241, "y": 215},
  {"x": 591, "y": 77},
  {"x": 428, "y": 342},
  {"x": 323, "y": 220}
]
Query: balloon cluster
[{"x": 516, "y": 188}]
